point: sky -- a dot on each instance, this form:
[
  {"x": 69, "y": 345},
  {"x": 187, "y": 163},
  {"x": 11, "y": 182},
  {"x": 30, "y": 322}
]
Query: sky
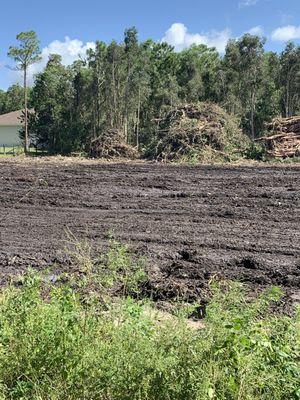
[{"x": 70, "y": 27}]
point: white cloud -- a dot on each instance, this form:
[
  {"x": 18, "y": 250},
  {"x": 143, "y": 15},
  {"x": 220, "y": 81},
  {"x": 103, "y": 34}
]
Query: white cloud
[
  {"x": 69, "y": 49},
  {"x": 256, "y": 30},
  {"x": 179, "y": 37},
  {"x": 247, "y": 3},
  {"x": 285, "y": 33}
]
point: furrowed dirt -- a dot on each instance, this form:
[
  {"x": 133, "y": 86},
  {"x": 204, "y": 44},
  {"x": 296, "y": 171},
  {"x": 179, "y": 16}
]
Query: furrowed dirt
[{"x": 190, "y": 223}]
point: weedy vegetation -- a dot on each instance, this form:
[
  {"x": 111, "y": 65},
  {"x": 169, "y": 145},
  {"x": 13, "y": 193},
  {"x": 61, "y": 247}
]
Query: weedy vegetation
[{"x": 91, "y": 336}]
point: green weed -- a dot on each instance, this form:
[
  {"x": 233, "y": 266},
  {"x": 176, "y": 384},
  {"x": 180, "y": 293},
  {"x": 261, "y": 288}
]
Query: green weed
[{"x": 54, "y": 345}]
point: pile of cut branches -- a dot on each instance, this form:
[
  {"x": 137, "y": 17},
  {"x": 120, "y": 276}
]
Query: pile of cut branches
[
  {"x": 111, "y": 144},
  {"x": 285, "y": 125},
  {"x": 195, "y": 130},
  {"x": 284, "y": 140}
]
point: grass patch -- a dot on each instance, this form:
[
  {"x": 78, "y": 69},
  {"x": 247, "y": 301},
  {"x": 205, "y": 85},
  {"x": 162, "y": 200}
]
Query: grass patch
[
  {"x": 11, "y": 151},
  {"x": 19, "y": 150},
  {"x": 62, "y": 341}
]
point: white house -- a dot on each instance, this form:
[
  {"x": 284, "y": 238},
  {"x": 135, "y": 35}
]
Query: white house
[{"x": 10, "y": 125}]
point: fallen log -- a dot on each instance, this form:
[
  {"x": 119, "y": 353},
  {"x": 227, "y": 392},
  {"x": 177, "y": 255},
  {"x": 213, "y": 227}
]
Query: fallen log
[
  {"x": 288, "y": 136},
  {"x": 284, "y": 140}
]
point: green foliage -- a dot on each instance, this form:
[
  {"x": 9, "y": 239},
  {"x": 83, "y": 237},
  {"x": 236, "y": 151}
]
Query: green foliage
[
  {"x": 289, "y": 79},
  {"x": 130, "y": 86},
  {"x": 115, "y": 271},
  {"x": 255, "y": 151},
  {"x": 198, "y": 73},
  {"x": 50, "y": 99},
  {"x": 54, "y": 345},
  {"x": 243, "y": 62},
  {"x": 28, "y": 51},
  {"x": 12, "y": 99},
  {"x": 123, "y": 269}
]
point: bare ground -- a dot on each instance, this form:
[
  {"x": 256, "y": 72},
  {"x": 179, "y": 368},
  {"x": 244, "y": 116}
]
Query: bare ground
[{"x": 190, "y": 223}]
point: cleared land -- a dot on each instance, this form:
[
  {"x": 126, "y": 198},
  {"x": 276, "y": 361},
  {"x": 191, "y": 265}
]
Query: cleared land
[{"x": 190, "y": 223}]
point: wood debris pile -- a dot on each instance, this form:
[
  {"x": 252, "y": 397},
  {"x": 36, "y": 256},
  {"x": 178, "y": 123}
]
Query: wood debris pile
[
  {"x": 191, "y": 130},
  {"x": 111, "y": 144},
  {"x": 284, "y": 140}
]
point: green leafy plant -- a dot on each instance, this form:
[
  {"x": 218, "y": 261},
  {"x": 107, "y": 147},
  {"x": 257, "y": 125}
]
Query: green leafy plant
[
  {"x": 114, "y": 271},
  {"x": 55, "y": 346}
]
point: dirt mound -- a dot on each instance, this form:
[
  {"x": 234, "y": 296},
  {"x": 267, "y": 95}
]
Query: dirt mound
[
  {"x": 284, "y": 139},
  {"x": 196, "y": 130},
  {"x": 111, "y": 144}
]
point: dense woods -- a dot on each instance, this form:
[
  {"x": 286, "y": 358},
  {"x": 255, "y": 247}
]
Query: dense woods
[{"x": 130, "y": 86}]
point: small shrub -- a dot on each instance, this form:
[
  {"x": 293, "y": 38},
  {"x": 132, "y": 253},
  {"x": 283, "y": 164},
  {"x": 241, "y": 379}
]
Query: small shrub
[
  {"x": 255, "y": 151},
  {"x": 114, "y": 271}
]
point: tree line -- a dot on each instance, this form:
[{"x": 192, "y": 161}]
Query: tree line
[{"x": 129, "y": 86}]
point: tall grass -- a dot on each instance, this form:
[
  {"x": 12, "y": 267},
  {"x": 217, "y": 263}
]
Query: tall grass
[{"x": 57, "y": 344}]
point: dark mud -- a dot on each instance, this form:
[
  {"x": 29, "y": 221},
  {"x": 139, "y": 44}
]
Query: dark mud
[{"x": 191, "y": 223}]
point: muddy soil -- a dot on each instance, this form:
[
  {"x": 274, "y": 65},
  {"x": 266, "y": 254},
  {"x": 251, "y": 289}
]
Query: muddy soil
[{"x": 192, "y": 223}]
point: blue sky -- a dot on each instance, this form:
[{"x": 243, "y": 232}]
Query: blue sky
[{"x": 69, "y": 27}]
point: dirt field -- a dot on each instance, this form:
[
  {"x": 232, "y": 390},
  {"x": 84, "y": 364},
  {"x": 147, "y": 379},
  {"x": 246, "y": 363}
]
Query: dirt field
[{"x": 191, "y": 223}]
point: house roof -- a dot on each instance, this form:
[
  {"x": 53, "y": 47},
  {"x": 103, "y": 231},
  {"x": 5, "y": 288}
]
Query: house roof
[{"x": 11, "y": 119}]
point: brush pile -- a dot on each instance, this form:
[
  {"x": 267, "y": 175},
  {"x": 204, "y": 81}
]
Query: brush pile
[
  {"x": 284, "y": 140},
  {"x": 195, "y": 131},
  {"x": 111, "y": 144}
]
